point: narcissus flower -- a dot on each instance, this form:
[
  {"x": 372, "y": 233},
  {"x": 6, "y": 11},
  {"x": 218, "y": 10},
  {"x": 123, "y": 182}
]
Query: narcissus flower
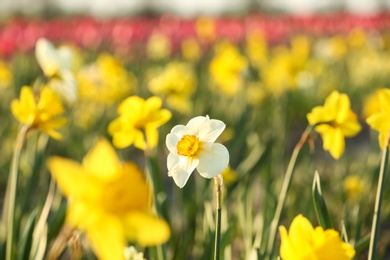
[
  {"x": 39, "y": 113},
  {"x": 303, "y": 242},
  {"x": 334, "y": 121},
  {"x": 108, "y": 201},
  {"x": 192, "y": 146},
  {"x": 56, "y": 65},
  {"x": 380, "y": 121},
  {"x": 138, "y": 122}
]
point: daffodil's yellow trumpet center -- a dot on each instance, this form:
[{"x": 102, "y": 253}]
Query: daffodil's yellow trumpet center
[{"x": 188, "y": 145}]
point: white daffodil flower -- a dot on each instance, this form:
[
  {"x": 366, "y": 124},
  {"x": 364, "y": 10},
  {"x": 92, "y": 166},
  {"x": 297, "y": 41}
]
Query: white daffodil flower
[
  {"x": 56, "y": 65},
  {"x": 192, "y": 146}
]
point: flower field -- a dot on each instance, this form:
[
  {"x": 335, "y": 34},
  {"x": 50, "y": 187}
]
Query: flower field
[{"x": 252, "y": 137}]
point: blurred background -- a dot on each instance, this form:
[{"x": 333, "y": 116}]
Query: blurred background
[
  {"x": 258, "y": 65},
  {"x": 190, "y": 8}
]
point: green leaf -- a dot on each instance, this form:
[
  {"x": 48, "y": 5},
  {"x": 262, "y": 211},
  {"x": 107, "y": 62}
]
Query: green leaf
[
  {"x": 362, "y": 244},
  {"x": 26, "y": 240},
  {"x": 319, "y": 204}
]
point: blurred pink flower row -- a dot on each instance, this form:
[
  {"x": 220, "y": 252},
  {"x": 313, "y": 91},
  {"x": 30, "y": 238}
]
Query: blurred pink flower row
[{"x": 20, "y": 34}]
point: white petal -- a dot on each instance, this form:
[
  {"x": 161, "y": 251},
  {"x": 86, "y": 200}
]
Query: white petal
[
  {"x": 179, "y": 130},
  {"x": 181, "y": 171},
  {"x": 173, "y": 159},
  {"x": 171, "y": 142},
  {"x": 211, "y": 130},
  {"x": 196, "y": 124},
  {"x": 180, "y": 176},
  {"x": 212, "y": 162}
]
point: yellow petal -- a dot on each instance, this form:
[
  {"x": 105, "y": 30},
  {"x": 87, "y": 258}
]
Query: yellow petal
[
  {"x": 129, "y": 191},
  {"x": 73, "y": 181},
  {"x": 379, "y": 121},
  {"x": 139, "y": 140},
  {"x": 107, "y": 238},
  {"x": 102, "y": 161},
  {"x": 350, "y": 127},
  {"x": 24, "y": 109},
  {"x": 300, "y": 233},
  {"x": 287, "y": 250},
  {"x": 384, "y": 98},
  {"x": 151, "y": 137},
  {"x": 328, "y": 245},
  {"x": 333, "y": 141},
  {"x": 50, "y": 102},
  {"x": 319, "y": 115},
  {"x": 146, "y": 229},
  {"x": 339, "y": 105},
  {"x": 133, "y": 105}
]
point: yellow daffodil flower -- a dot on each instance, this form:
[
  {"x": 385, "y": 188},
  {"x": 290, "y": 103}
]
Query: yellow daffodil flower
[
  {"x": 108, "y": 201},
  {"x": 380, "y": 121},
  {"x": 192, "y": 146},
  {"x": 303, "y": 242},
  {"x": 138, "y": 122},
  {"x": 176, "y": 83},
  {"x": 105, "y": 81},
  {"x": 56, "y": 65},
  {"x": 227, "y": 69},
  {"x": 334, "y": 121},
  {"x": 41, "y": 113}
]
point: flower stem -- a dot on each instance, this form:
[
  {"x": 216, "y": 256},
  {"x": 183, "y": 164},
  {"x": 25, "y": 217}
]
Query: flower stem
[
  {"x": 283, "y": 192},
  {"x": 11, "y": 189},
  {"x": 378, "y": 203},
  {"x": 218, "y": 181}
]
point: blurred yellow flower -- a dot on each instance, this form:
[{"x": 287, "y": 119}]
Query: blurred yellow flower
[
  {"x": 353, "y": 187},
  {"x": 56, "y": 65},
  {"x": 176, "y": 83},
  {"x": 380, "y": 121},
  {"x": 333, "y": 48},
  {"x": 357, "y": 38},
  {"x": 158, "y": 46},
  {"x": 191, "y": 49},
  {"x": 227, "y": 69},
  {"x": 205, "y": 28},
  {"x": 106, "y": 81},
  {"x": 6, "y": 76},
  {"x": 334, "y": 121},
  {"x": 229, "y": 176},
  {"x": 303, "y": 242},
  {"x": 256, "y": 48},
  {"x": 41, "y": 113},
  {"x": 278, "y": 73},
  {"x": 138, "y": 122},
  {"x": 109, "y": 201}
]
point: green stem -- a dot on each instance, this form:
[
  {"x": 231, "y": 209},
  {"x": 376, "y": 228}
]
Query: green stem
[
  {"x": 159, "y": 252},
  {"x": 378, "y": 204},
  {"x": 283, "y": 192},
  {"x": 11, "y": 189},
  {"x": 218, "y": 192}
]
